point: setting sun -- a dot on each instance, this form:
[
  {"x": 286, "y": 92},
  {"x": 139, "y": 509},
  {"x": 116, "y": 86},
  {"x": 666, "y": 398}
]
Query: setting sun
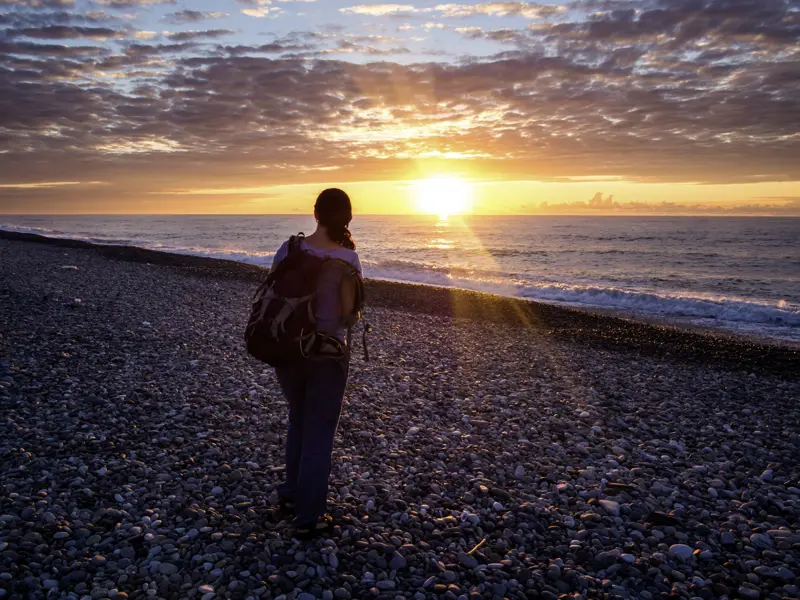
[{"x": 443, "y": 196}]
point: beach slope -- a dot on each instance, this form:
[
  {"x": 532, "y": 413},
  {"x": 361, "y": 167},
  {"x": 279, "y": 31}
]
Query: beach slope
[{"x": 491, "y": 448}]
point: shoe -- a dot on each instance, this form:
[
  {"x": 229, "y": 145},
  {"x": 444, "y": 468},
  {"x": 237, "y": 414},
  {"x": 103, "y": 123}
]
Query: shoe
[
  {"x": 287, "y": 507},
  {"x": 322, "y": 525},
  {"x": 285, "y": 511}
]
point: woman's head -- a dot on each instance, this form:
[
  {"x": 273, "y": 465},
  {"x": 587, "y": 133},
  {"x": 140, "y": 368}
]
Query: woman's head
[{"x": 334, "y": 212}]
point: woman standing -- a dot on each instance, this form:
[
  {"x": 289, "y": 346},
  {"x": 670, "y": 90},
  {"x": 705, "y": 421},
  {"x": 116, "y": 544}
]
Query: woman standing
[{"x": 314, "y": 386}]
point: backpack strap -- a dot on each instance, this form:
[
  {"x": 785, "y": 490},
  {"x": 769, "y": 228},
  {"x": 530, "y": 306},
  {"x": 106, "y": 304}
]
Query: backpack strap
[{"x": 296, "y": 242}]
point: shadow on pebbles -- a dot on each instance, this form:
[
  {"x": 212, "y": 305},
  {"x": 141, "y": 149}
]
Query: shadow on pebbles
[{"x": 140, "y": 449}]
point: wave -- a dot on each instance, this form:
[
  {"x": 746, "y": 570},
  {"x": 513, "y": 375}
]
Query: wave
[
  {"x": 779, "y": 318},
  {"x": 697, "y": 306},
  {"x": 719, "y": 308},
  {"x": 43, "y": 231},
  {"x": 37, "y": 231}
]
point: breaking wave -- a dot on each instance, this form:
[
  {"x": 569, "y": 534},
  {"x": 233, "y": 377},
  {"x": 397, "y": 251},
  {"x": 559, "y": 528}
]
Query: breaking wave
[{"x": 633, "y": 293}]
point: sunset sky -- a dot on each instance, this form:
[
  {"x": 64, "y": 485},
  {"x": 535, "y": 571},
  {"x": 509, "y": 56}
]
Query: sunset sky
[{"x": 240, "y": 106}]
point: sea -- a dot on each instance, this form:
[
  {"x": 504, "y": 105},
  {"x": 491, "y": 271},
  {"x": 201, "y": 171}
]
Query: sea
[{"x": 736, "y": 274}]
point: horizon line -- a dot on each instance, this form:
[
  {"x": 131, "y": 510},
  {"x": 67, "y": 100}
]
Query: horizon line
[{"x": 420, "y": 215}]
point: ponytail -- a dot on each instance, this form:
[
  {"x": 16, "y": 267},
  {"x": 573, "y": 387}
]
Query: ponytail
[
  {"x": 334, "y": 212},
  {"x": 341, "y": 235}
]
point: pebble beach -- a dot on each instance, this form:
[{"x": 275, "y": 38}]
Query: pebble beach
[{"x": 489, "y": 449}]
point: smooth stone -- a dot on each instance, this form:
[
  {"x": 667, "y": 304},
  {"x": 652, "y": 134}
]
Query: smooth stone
[
  {"x": 98, "y": 561},
  {"x": 727, "y": 538},
  {"x": 468, "y": 561},
  {"x": 682, "y": 551},
  {"x": 167, "y": 569},
  {"x": 611, "y": 507},
  {"x": 749, "y": 593},
  {"x": 765, "y": 571}
]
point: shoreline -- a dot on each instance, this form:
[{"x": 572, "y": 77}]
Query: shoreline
[{"x": 597, "y": 328}]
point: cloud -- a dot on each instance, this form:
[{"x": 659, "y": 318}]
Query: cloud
[
  {"x": 64, "y": 32},
  {"x": 261, "y": 12},
  {"x": 183, "y": 36},
  {"x": 607, "y": 205},
  {"x": 51, "y": 51},
  {"x": 38, "y": 3},
  {"x": 46, "y": 184},
  {"x": 685, "y": 90},
  {"x": 500, "y": 9},
  {"x": 380, "y": 10},
  {"x": 131, "y": 3},
  {"x": 193, "y": 16}
]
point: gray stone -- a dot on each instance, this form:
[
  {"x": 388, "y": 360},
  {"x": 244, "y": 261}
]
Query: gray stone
[
  {"x": 727, "y": 538},
  {"x": 468, "y": 561},
  {"x": 611, "y": 507},
  {"x": 681, "y": 551},
  {"x": 760, "y": 540},
  {"x": 749, "y": 593}
]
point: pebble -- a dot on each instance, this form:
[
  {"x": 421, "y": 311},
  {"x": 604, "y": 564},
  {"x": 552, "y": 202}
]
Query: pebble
[
  {"x": 98, "y": 561},
  {"x": 681, "y": 551},
  {"x": 146, "y": 459},
  {"x": 750, "y": 593},
  {"x": 611, "y": 507},
  {"x": 167, "y": 569},
  {"x": 760, "y": 540},
  {"x": 468, "y": 561},
  {"x": 727, "y": 538}
]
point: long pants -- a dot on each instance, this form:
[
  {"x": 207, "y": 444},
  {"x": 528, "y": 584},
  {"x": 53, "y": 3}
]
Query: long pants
[{"x": 314, "y": 389}]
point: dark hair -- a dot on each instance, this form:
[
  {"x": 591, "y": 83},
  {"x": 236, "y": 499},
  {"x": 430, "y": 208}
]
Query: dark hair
[{"x": 335, "y": 212}]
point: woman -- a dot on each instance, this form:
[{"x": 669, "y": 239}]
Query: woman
[{"x": 314, "y": 387}]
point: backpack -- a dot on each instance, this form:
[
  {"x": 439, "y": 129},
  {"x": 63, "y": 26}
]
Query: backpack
[{"x": 282, "y": 325}]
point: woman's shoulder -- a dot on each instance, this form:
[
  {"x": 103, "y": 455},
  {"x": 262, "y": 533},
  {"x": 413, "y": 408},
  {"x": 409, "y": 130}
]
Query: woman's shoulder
[
  {"x": 351, "y": 256},
  {"x": 345, "y": 254}
]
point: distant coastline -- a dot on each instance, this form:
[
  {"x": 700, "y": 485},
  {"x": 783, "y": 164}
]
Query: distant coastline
[{"x": 603, "y": 331}]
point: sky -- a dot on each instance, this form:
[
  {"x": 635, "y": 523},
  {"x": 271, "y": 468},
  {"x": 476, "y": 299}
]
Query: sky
[{"x": 254, "y": 106}]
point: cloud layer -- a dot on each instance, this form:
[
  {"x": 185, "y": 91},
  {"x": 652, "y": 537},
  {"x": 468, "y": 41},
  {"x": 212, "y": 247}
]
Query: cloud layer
[{"x": 651, "y": 90}]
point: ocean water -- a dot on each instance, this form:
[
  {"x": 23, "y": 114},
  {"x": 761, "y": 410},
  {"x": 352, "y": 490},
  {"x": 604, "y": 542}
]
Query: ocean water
[{"x": 737, "y": 274}]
